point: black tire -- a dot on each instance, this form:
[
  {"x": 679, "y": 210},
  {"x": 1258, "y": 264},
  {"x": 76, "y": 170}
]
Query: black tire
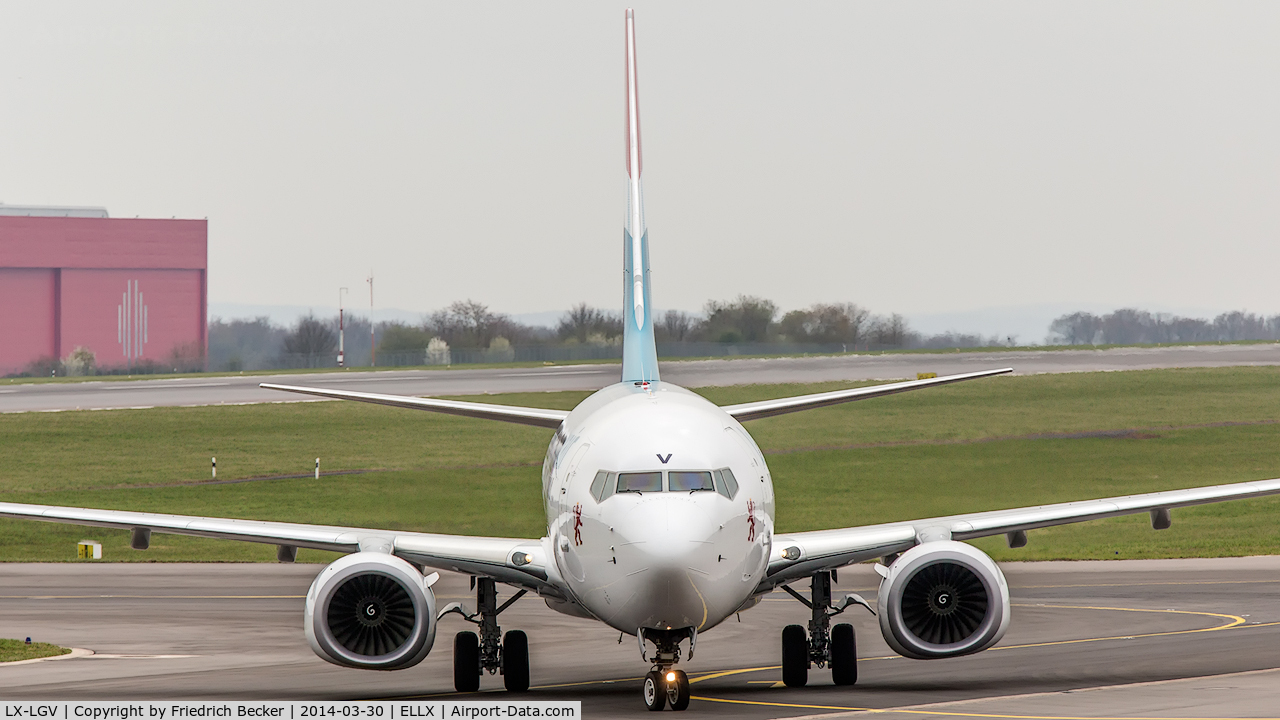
[
  {"x": 678, "y": 691},
  {"x": 844, "y": 655},
  {"x": 515, "y": 661},
  {"x": 795, "y": 656},
  {"x": 655, "y": 691},
  {"x": 466, "y": 662}
]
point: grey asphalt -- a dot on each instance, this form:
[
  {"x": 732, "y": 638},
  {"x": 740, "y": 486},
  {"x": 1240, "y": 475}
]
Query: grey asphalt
[
  {"x": 98, "y": 395},
  {"x": 1169, "y": 638}
]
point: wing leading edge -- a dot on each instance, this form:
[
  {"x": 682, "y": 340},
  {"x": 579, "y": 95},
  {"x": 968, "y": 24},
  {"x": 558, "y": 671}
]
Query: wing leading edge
[
  {"x": 539, "y": 417},
  {"x": 490, "y": 556},
  {"x": 810, "y": 552},
  {"x": 769, "y": 408}
]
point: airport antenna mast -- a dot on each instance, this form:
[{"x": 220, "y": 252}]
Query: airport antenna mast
[
  {"x": 341, "y": 327},
  {"x": 373, "y": 347}
]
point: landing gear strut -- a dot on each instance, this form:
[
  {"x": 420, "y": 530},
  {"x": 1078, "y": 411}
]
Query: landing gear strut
[
  {"x": 824, "y": 646},
  {"x": 664, "y": 684},
  {"x": 491, "y": 650}
]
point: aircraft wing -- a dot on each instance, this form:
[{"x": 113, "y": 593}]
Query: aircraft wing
[
  {"x": 769, "y": 408},
  {"x": 507, "y": 413},
  {"x": 487, "y": 556},
  {"x": 797, "y": 555}
]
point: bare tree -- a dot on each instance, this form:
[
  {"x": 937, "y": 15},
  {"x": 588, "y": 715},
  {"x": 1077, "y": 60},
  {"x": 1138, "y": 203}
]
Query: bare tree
[
  {"x": 311, "y": 337},
  {"x": 1240, "y": 325},
  {"x": 398, "y": 337},
  {"x": 836, "y": 323},
  {"x": 890, "y": 331},
  {"x": 583, "y": 321},
  {"x": 1079, "y": 328},
  {"x": 746, "y": 319},
  {"x": 243, "y": 344},
  {"x": 676, "y": 326},
  {"x": 467, "y": 323},
  {"x": 1128, "y": 326}
]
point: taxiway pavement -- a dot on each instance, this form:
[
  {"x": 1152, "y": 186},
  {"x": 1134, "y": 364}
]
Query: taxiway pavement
[
  {"x": 1169, "y": 638},
  {"x": 231, "y": 390}
]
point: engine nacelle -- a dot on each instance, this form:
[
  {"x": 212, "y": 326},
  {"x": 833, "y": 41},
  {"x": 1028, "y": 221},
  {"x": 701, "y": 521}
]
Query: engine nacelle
[
  {"x": 371, "y": 610},
  {"x": 943, "y": 599}
]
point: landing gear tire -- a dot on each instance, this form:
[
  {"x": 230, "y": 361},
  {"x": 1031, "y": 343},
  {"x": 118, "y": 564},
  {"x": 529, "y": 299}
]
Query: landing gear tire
[
  {"x": 678, "y": 690},
  {"x": 515, "y": 661},
  {"x": 795, "y": 656},
  {"x": 466, "y": 662},
  {"x": 844, "y": 655},
  {"x": 655, "y": 691}
]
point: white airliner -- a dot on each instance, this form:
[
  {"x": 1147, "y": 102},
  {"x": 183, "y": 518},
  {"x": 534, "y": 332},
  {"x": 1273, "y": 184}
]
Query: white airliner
[{"x": 660, "y": 524}]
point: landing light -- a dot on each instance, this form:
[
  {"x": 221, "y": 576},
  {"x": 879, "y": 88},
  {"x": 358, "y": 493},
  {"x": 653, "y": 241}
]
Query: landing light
[{"x": 671, "y": 677}]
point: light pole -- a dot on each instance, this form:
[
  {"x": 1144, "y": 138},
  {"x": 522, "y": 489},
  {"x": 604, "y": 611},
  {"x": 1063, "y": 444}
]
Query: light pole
[
  {"x": 341, "y": 327},
  {"x": 373, "y": 348}
]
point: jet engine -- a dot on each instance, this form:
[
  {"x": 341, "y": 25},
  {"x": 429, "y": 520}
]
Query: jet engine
[
  {"x": 943, "y": 599},
  {"x": 371, "y": 610}
]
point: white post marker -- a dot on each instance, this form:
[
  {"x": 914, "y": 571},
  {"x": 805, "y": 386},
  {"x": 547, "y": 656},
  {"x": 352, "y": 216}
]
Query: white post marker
[
  {"x": 317, "y": 468},
  {"x": 341, "y": 344},
  {"x": 215, "y": 468}
]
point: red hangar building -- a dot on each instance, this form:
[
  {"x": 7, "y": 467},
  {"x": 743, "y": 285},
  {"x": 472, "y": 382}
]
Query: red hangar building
[{"x": 134, "y": 292}]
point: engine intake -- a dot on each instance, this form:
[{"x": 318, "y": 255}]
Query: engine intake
[
  {"x": 371, "y": 610},
  {"x": 943, "y": 599}
]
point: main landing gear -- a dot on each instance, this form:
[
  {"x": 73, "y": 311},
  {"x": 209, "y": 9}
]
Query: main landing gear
[
  {"x": 664, "y": 684},
  {"x": 491, "y": 650},
  {"x": 834, "y": 647}
]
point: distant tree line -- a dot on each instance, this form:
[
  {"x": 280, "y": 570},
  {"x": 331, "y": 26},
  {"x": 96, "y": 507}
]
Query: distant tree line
[
  {"x": 469, "y": 328},
  {"x": 1129, "y": 326}
]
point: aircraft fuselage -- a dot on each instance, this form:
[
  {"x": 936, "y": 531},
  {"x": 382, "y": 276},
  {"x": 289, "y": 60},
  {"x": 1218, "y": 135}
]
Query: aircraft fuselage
[{"x": 659, "y": 508}]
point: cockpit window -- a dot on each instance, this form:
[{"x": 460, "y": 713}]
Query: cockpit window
[
  {"x": 601, "y": 487},
  {"x": 726, "y": 483},
  {"x": 640, "y": 482},
  {"x": 685, "y": 480},
  {"x": 721, "y": 481}
]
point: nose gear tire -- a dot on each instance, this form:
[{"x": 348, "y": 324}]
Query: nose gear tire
[
  {"x": 678, "y": 691},
  {"x": 655, "y": 691}
]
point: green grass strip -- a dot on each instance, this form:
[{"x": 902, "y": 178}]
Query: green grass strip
[
  {"x": 14, "y": 650},
  {"x": 985, "y": 445}
]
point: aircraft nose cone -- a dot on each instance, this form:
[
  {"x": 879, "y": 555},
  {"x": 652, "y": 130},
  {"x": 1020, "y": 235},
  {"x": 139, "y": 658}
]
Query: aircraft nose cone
[
  {"x": 676, "y": 529},
  {"x": 676, "y": 554}
]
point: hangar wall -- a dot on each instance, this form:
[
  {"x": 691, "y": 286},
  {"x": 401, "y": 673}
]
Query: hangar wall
[{"x": 133, "y": 291}]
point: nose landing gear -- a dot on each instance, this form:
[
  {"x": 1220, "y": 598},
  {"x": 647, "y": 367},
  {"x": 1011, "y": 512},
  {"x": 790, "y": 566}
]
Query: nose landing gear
[
  {"x": 664, "y": 684},
  {"x": 833, "y": 647}
]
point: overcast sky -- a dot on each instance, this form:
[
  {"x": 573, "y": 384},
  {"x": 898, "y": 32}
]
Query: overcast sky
[{"x": 910, "y": 157}]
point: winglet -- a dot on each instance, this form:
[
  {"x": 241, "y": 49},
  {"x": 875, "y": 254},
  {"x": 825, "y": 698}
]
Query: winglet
[{"x": 639, "y": 348}]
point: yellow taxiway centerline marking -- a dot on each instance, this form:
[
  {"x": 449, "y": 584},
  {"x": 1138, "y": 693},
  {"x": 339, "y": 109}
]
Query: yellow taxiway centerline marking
[
  {"x": 1235, "y": 622},
  {"x": 943, "y": 713},
  {"x": 1231, "y": 622}
]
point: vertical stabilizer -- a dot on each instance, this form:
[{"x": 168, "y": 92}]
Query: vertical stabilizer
[{"x": 639, "y": 349}]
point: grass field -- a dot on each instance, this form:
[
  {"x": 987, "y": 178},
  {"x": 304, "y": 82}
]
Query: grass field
[
  {"x": 988, "y": 444},
  {"x": 13, "y": 650}
]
